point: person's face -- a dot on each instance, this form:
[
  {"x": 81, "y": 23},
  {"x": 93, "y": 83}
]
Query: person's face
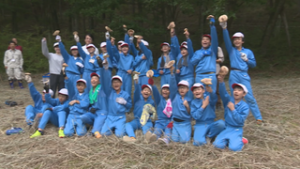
[
  {"x": 165, "y": 92},
  {"x": 95, "y": 81},
  {"x": 184, "y": 52},
  {"x": 43, "y": 97},
  {"x": 146, "y": 93},
  {"x": 74, "y": 52},
  {"x": 238, "y": 42},
  {"x": 15, "y": 40},
  {"x": 205, "y": 42},
  {"x": 116, "y": 84},
  {"x": 88, "y": 40},
  {"x": 56, "y": 49},
  {"x": 80, "y": 87},
  {"x": 198, "y": 92},
  {"x": 103, "y": 49},
  {"x": 62, "y": 98},
  {"x": 125, "y": 49},
  {"x": 165, "y": 48},
  {"x": 238, "y": 93},
  {"x": 91, "y": 50},
  {"x": 12, "y": 46},
  {"x": 183, "y": 90}
]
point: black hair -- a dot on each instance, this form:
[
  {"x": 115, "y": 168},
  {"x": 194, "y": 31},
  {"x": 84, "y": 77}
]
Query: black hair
[
  {"x": 116, "y": 79},
  {"x": 92, "y": 37},
  {"x": 80, "y": 83},
  {"x": 12, "y": 42},
  {"x": 140, "y": 51},
  {"x": 238, "y": 87}
]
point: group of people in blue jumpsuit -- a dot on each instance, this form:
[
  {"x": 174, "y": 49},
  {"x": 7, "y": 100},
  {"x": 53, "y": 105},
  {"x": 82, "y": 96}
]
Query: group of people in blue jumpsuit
[{"x": 100, "y": 101}]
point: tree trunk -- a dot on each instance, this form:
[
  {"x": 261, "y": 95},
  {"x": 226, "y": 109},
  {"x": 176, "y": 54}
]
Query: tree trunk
[{"x": 286, "y": 26}]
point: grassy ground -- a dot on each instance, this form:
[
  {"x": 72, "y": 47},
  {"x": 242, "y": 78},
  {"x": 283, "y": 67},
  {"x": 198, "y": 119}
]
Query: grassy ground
[{"x": 274, "y": 144}]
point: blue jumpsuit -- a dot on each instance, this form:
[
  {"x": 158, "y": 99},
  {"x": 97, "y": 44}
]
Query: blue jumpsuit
[
  {"x": 239, "y": 72},
  {"x": 116, "y": 117},
  {"x": 88, "y": 67},
  {"x": 97, "y": 119},
  {"x": 142, "y": 65},
  {"x": 187, "y": 72},
  {"x": 58, "y": 114},
  {"x": 205, "y": 125},
  {"x": 233, "y": 134},
  {"x": 39, "y": 105},
  {"x": 162, "y": 119},
  {"x": 139, "y": 103},
  {"x": 182, "y": 130},
  {"x": 205, "y": 60},
  {"x": 73, "y": 71}
]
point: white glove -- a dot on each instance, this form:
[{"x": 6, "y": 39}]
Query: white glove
[
  {"x": 223, "y": 25},
  {"x": 244, "y": 56},
  {"x": 131, "y": 39},
  {"x": 135, "y": 77},
  {"x": 79, "y": 64},
  {"x": 107, "y": 36},
  {"x": 92, "y": 61},
  {"x": 76, "y": 38},
  {"x": 121, "y": 100},
  {"x": 58, "y": 38},
  {"x": 28, "y": 78}
]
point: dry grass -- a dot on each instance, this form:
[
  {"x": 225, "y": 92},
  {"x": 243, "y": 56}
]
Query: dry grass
[{"x": 275, "y": 144}]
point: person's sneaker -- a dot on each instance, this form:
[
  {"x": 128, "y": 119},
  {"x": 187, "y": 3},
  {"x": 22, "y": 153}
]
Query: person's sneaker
[
  {"x": 259, "y": 122},
  {"x": 36, "y": 134},
  {"x": 129, "y": 139},
  {"x": 245, "y": 140},
  {"x": 164, "y": 141},
  {"x": 97, "y": 134},
  {"x": 148, "y": 135},
  {"x": 61, "y": 133}
]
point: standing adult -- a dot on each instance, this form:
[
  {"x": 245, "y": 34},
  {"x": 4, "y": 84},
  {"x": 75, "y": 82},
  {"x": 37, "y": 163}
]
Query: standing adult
[
  {"x": 89, "y": 40},
  {"x": 17, "y": 46},
  {"x": 13, "y": 62},
  {"x": 55, "y": 65}
]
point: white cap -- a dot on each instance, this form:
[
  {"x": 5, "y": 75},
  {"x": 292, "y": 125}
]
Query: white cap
[
  {"x": 183, "y": 43},
  {"x": 183, "y": 46},
  {"x": 102, "y": 44},
  {"x": 238, "y": 35},
  {"x": 55, "y": 44},
  {"x": 73, "y": 48},
  {"x": 81, "y": 80},
  {"x": 197, "y": 85},
  {"x": 184, "y": 83},
  {"x": 241, "y": 85},
  {"x": 117, "y": 77},
  {"x": 90, "y": 45},
  {"x": 165, "y": 43},
  {"x": 120, "y": 42},
  {"x": 165, "y": 86},
  {"x": 146, "y": 85},
  {"x": 63, "y": 91},
  {"x": 50, "y": 92},
  {"x": 124, "y": 44},
  {"x": 145, "y": 42}
]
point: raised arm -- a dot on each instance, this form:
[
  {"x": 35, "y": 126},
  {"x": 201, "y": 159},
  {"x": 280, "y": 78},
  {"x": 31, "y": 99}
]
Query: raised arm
[
  {"x": 145, "y": 51},
  {"x": 106, "y": 78},
  {"x": 190, "y": 48},
  {"x": 80, "y": 50},
  {"x": 173, "y": 87},
  {"x": 224, "y": 94},
  {"x": 214, "y": 36},
  {"x": 71, "y": 91},
  {"x": 227, "y": 41},
  {"x": 35, "y": 95},
  {"x": 156, "y": 95},
  {"x": 137, "y": 93},
  {"x": 64, "y": 52},
  {"x": 213, "y": 98},
  {"x": 110, "y": 51},
  {"x": 45, "y": 50},
  {"x": 175, "y": 48}
]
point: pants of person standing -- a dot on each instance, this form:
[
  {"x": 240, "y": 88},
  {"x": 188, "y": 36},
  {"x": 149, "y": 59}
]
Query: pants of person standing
[
  {"x": 56, "y": 82},
  {"x": 14, "y": 73}
]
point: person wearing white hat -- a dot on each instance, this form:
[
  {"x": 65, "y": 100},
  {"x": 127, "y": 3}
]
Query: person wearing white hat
[
  {"x": 88, "y": 39},
  {"x": 39, "y": 102},
  {"x": 184, "y": 67},
  {"x": 203, "y": 111},
  {"x": 125, "y": 63},
  {"x": 56, "y": 113},
  {"x": 143, "y": 106},
  {"x": 241, "y": 59},
  {"x": 118, "y": 103},
  {"x": 90, "y": 60},
  {"x": 205, "y": 58},
  {"x": 75, "y": 63},
  {"x": 56, "y": 61},
  {"x": 13, "y": 63},
  {"x": 235, "y": 113},
  {"x": 78, "y": 106}
]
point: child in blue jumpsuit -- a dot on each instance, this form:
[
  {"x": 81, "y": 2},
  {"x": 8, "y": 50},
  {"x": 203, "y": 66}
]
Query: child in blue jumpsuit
[
  {"x": 78, "y": 105},
  {"x": 203, "y": 111},
  {"x": 56, "y": 113},
  {"x": 97, "y": 110},
  {"x": 241, "y": 59},
  {"x": 118, "y": 103},
  {"x": 141, "y": 98},
  {"x": 182, "y": 129},
  {"x": 235, "y": 114},
  {"x": 74, "y": 61},
  {"x": 205, "y": 58}
]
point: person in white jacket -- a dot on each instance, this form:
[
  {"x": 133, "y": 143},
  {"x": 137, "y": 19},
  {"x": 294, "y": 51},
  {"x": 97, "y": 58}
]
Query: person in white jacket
[
  {"x": 13, "y": 62},
  {"x": 89, "y": 40},
  {"x": 56, "y": 61}
]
